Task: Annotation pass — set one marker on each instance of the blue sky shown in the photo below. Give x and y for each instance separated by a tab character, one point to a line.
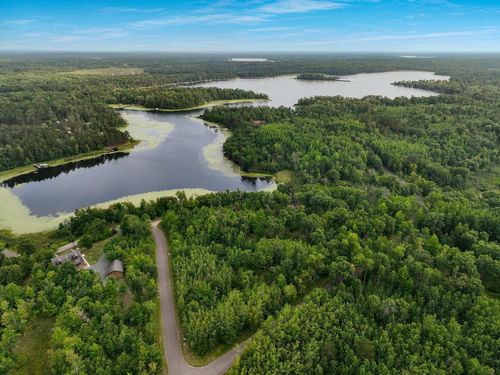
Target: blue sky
253	25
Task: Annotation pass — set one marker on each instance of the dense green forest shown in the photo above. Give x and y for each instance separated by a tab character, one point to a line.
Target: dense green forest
317	77
179	98
51	115
381	255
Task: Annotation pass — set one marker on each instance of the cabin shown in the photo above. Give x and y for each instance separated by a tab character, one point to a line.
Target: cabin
115	269
75	257
41	165
10	254
112	148
259	122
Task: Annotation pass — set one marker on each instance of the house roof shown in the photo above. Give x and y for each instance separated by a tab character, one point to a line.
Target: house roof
75	257
115	266
10	254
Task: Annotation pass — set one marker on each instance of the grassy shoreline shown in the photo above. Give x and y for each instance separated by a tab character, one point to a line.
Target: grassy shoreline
235	168
16	218
136	107
279	177
11	173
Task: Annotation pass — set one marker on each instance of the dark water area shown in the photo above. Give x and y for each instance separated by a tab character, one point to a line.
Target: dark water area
53	172
178	162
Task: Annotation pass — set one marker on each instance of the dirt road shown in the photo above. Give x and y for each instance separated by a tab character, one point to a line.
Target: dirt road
171	335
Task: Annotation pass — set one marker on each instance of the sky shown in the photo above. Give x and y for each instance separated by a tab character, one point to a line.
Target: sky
252	25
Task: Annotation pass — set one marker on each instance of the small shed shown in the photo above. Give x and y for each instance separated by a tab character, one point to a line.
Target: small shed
115	269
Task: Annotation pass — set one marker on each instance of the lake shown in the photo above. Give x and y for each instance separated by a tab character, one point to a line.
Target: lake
286	90
177	151
177	162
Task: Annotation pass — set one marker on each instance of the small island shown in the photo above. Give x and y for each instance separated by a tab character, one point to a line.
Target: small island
319	77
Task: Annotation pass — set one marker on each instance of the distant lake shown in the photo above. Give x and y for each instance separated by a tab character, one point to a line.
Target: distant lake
286	90
177	151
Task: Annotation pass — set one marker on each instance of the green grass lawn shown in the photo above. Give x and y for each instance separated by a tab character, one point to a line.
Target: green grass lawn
282	177
31	349
94	253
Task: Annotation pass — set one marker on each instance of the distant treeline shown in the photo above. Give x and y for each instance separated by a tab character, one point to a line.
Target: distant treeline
317	77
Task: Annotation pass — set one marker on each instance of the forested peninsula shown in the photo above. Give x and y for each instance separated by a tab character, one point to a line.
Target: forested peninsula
317	77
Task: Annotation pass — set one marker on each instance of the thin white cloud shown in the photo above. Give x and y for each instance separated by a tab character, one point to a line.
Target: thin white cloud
202	19
132	10
18	22
410	36
258	13
90	34
270	29
399	37
298	6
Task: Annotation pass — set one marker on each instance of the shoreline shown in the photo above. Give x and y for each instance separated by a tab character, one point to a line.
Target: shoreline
18	219
136	107
226	166
125	147
26	169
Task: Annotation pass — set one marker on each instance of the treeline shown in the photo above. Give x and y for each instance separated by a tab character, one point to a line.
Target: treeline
317	77
50	120
38	92
198	67
443	87
179	98
32	136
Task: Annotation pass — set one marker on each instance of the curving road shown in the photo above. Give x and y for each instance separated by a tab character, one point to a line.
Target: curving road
171	336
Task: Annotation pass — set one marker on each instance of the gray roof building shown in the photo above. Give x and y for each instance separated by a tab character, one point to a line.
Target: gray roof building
116	266
74	257
10	254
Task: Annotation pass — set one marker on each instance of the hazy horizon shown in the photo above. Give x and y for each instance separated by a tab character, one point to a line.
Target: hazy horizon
255	26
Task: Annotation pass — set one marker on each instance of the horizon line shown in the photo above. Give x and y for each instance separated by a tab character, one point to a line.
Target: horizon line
369	52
